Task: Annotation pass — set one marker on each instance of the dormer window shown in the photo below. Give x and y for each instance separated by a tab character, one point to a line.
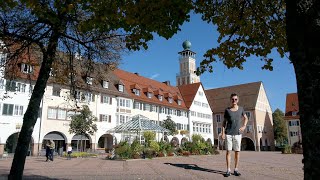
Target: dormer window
294	113
160	97
105	84
149	94
25	68
170	100
179	102
89	80
120	87
137	92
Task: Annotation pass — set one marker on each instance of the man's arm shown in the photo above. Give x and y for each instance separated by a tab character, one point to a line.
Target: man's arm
245	119
224	123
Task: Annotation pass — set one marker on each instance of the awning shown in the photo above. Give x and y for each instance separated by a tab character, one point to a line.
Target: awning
53	136
79	137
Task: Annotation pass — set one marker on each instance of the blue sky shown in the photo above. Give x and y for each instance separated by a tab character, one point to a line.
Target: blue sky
160	62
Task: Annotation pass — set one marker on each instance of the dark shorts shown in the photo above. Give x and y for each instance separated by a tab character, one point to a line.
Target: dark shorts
69	152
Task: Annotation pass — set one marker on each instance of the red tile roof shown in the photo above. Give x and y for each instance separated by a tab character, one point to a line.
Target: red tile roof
157	87
292	104
188	92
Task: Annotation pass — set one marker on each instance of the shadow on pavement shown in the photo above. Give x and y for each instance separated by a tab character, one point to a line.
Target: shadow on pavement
31	177
196	167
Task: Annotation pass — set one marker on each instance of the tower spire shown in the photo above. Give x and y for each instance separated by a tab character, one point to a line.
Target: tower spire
187	64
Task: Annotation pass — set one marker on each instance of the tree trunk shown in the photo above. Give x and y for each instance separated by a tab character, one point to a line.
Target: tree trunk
303	36
31	114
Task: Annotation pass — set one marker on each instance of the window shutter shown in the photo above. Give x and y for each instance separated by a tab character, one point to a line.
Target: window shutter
101	98
110	100
93	97
10	109
109	118
100	117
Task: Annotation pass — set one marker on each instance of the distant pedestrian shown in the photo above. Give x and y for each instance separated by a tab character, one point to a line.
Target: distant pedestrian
47	151
69	151
234	123
52	147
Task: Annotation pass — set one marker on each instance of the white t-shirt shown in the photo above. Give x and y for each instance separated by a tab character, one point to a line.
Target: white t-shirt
69	148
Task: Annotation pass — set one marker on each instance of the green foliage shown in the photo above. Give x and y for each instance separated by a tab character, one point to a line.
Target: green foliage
170	125
155	146
164	146
83	123
80	154
286	149
136	147
149	136
197	138
123	150
279	127
245	28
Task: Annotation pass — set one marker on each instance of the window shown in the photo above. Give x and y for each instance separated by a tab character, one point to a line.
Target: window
105	84
136	92
294	113
1	83
56	91
106	99
77	95
205	105
11	86
120	87
200	93
248	115
62	114
89	97
7	109
25	68
170	100
52	113
149	94
18	110
197	103
249	128
89	80
179	102
218	118
136	105
160	97
20	87
105	117
146	107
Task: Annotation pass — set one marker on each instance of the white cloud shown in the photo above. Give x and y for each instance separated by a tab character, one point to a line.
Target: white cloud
154	76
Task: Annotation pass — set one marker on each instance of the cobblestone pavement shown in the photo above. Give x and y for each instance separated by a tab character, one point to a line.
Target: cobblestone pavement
253	165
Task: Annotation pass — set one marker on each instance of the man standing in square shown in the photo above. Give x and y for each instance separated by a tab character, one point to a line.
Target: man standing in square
234	123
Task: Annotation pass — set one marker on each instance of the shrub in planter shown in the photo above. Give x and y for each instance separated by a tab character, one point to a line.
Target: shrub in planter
155	146
123	151
136	149
161	154
186	153
286	149
170	154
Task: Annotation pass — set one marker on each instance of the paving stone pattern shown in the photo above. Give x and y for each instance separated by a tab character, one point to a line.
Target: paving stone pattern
253	165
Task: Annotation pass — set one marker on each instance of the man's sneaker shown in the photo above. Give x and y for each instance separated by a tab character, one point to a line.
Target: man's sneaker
227	174
236	173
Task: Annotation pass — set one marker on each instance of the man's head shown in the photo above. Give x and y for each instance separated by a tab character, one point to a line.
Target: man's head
234	99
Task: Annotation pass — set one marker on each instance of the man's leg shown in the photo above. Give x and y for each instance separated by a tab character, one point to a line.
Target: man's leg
236	159
228	153
237	148
228	159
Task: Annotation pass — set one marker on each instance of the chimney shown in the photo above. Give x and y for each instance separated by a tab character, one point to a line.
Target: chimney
167	83
136	73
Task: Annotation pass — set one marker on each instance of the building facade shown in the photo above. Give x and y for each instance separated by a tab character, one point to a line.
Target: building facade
113	96
258	135
292	119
